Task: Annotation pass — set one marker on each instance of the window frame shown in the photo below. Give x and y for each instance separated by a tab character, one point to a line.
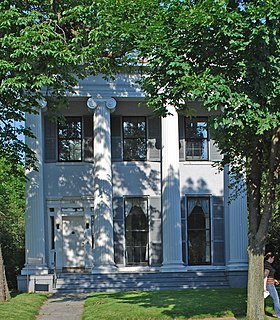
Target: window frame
145	138
68	139
209	229
144	200
203	140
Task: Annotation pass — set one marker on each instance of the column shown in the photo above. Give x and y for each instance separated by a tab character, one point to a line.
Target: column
171	209
35	251
103	250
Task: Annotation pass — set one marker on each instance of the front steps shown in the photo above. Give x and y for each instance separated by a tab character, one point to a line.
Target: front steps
86	282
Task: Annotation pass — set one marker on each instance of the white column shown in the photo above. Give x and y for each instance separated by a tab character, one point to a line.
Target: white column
35	250
171	211
103	251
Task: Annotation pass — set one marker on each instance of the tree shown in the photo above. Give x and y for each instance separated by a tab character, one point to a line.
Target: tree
227	55
46	46
34	54
4	291
12	203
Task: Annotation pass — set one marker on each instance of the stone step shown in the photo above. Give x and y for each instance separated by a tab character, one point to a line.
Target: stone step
140	281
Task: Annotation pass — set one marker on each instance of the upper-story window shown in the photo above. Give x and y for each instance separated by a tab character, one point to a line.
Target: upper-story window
70	139
134	138
196	139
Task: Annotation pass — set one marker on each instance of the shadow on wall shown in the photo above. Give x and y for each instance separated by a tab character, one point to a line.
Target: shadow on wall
198	187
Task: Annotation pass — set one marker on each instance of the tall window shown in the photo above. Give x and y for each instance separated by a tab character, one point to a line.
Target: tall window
196	139
199	238
136	231
70	139
134	138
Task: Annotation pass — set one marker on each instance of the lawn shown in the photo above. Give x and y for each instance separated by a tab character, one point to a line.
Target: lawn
144	305
24	306
176	304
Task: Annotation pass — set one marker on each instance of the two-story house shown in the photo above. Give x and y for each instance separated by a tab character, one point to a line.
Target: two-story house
121	190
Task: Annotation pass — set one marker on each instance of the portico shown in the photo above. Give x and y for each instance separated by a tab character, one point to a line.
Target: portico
119	189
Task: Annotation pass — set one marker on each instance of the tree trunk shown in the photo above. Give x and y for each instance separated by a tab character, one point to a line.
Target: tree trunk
4	290
260	214
255	300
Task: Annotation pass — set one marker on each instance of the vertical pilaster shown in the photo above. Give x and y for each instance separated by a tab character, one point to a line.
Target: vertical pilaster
103	251
35	254
171	211
237	229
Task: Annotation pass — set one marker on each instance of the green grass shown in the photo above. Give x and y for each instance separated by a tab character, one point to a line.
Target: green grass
24	306
144	305
176	304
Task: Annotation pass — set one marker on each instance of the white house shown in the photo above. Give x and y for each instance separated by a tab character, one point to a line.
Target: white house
121	190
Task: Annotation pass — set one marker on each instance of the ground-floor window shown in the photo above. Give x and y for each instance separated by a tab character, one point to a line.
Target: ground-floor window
136	230
198	230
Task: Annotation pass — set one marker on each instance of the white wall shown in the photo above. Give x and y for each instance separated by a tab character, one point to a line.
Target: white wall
201	178
68	179
136	178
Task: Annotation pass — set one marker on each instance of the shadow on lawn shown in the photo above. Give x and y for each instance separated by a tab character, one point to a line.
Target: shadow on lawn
186	303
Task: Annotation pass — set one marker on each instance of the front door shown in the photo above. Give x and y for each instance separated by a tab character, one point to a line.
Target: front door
73	242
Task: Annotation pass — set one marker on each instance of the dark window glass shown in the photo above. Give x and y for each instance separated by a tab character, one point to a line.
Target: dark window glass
52	232
70	139
136	231
196	139
134	138
199	239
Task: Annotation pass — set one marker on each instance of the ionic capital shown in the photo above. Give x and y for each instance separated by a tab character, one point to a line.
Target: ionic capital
93	103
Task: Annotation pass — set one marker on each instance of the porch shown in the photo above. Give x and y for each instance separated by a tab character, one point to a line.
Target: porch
144	280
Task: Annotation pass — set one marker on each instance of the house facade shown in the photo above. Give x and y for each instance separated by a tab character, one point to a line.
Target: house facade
119	189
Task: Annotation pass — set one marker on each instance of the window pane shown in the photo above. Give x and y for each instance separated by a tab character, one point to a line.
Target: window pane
134	127
134	138
136	231
196	139
71	128
197	247
135	149
199	237
70	150
196	128
197	149
70	139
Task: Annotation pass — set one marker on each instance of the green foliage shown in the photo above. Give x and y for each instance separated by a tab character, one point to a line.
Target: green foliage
225	54
46	46
12	205
33	55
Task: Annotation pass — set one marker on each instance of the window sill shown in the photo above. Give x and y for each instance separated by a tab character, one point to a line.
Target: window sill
197	162
82	163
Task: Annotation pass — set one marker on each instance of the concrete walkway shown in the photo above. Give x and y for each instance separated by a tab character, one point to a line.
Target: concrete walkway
63	307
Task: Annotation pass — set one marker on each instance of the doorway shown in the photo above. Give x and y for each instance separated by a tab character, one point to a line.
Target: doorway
73	242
